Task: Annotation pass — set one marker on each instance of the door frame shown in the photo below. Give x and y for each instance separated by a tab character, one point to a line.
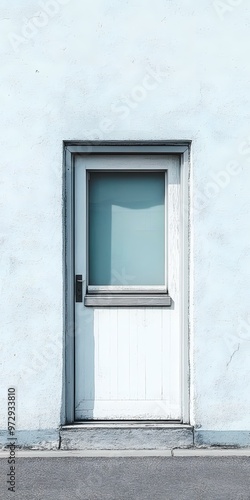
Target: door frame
70	149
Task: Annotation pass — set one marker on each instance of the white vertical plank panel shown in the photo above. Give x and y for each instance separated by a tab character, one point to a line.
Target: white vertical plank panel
113	349
123	350
153	336
141	356
134	348
102	369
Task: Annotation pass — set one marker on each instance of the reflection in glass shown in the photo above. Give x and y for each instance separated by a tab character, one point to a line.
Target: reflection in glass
127	228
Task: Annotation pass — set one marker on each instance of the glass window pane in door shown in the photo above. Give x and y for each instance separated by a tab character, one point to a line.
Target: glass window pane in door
127	228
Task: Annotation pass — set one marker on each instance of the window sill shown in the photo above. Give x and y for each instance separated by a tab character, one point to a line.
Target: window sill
125	300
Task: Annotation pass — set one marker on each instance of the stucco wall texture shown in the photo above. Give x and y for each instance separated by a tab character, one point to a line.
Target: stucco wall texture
132	70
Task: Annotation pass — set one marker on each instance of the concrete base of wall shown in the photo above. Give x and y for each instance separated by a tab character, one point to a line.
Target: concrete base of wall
46	439
126	437
208	438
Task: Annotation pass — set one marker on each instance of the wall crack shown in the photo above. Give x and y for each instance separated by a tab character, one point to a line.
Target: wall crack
232	355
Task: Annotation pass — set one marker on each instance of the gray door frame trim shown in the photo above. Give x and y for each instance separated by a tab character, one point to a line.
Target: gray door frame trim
70	149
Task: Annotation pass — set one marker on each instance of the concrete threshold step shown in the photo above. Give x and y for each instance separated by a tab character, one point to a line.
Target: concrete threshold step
126	436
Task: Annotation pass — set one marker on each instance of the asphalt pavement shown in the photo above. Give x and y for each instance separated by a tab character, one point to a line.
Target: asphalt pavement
128	478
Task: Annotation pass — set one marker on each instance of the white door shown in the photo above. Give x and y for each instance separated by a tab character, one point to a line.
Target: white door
127	254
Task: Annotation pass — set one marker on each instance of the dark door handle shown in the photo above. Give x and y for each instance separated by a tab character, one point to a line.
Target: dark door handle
78	287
